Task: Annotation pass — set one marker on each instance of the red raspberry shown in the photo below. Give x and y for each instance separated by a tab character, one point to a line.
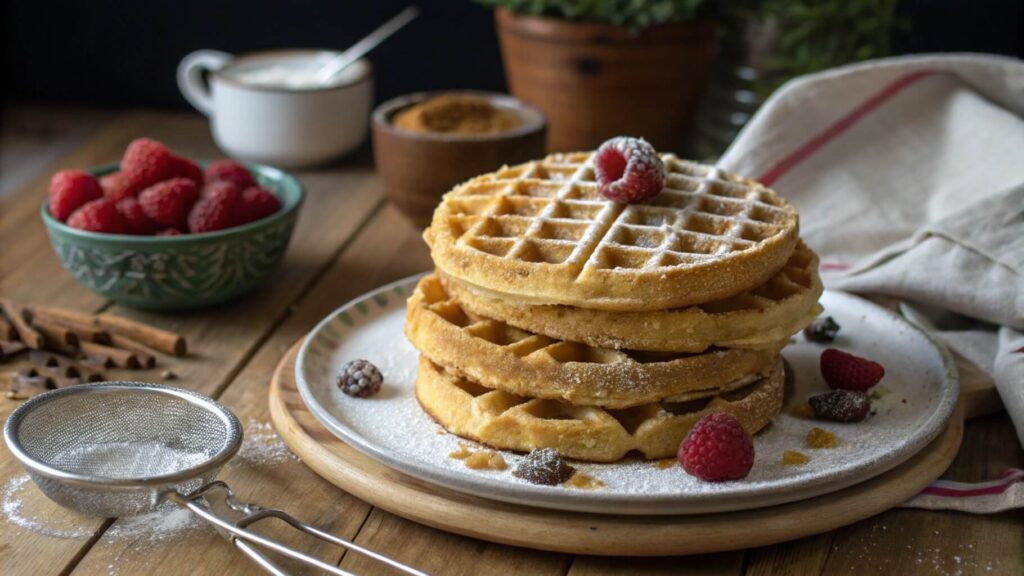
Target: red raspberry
185	168
210	187
717	448
169	232
844	371
70	189
115	186
629	170
229	171
258	203
145	163
217	210
841	405
135	219
167	203
98	215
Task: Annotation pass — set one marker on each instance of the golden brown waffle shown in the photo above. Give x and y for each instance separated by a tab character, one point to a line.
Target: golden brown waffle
513	422
543	232
760	318
506	358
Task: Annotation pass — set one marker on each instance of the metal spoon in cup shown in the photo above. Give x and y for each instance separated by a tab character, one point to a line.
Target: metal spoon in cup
334	66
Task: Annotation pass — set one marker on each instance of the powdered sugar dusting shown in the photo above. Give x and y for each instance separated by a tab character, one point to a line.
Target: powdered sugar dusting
393	425
261	447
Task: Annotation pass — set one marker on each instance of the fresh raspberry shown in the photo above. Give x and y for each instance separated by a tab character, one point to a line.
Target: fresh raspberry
258	203
115	186
217	210
168	203
822	330
841	405
629	170
717	448
145	163
185	168
169	232
210	187
229	171
845	371
135	219
98	215
70	189
360	378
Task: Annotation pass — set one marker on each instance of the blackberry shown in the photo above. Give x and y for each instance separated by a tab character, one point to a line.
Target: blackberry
822	330
841	405
544	466
360	378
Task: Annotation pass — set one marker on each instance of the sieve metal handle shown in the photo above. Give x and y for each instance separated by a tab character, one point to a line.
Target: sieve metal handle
245	540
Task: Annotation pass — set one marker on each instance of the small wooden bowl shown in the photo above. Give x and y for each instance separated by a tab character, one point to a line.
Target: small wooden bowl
419	167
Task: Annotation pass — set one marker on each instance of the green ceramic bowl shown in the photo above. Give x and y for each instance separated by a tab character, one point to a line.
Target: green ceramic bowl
181	272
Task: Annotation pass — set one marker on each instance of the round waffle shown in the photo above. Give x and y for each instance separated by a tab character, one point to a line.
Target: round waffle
513	422
759	318
543	232
506	358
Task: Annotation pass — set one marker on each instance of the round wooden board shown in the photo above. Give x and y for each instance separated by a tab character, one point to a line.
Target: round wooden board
581	533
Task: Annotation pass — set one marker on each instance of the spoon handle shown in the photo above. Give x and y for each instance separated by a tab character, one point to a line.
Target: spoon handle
359	49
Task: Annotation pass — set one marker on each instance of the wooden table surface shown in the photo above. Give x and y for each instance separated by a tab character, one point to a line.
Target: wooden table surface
349	240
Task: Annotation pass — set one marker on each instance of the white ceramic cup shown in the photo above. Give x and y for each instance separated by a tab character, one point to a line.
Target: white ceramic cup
278	123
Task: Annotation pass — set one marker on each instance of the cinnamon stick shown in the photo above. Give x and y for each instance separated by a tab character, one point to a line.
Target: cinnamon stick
117	356
7	331
155	338
55	332
16	316
21	386
10	348
83	330
145	355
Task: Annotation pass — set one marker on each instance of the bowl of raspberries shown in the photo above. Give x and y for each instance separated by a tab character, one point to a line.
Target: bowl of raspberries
162	232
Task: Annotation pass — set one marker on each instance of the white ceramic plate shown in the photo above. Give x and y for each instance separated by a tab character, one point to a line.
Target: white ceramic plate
918	395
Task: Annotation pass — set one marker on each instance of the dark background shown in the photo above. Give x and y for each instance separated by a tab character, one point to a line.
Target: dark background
124	53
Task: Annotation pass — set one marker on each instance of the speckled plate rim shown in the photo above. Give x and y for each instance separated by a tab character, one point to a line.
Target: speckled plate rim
628	504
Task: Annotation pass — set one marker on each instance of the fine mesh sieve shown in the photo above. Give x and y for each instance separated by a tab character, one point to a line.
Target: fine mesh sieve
123	448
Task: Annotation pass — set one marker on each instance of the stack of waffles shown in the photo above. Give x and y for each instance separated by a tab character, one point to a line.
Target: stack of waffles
557	318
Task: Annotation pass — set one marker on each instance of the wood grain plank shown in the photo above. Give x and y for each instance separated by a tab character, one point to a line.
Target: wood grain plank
443	553
721	564
904	541
339	200
388	248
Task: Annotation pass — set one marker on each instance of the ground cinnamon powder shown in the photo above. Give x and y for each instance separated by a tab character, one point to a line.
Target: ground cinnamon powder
457	114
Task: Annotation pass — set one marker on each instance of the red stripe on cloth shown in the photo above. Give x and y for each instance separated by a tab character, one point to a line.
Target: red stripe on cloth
840	126
962	493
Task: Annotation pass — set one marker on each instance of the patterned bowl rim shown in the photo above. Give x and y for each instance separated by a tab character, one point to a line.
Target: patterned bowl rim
291	204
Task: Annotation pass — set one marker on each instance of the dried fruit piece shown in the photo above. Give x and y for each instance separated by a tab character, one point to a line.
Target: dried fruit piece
845	371
543	466
360	378
792	458
717	448
485	460
584	482
629	170
818	438
841	405
822	330
70	190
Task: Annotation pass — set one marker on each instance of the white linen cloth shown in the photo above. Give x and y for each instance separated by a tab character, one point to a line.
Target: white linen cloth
909	176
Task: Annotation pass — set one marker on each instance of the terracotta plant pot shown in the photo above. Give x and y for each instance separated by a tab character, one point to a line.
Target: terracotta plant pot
595	81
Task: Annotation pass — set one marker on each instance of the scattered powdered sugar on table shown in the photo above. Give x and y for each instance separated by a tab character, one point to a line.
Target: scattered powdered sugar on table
393	422
261	447
20	513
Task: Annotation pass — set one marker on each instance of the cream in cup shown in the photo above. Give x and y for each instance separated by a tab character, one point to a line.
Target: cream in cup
271	107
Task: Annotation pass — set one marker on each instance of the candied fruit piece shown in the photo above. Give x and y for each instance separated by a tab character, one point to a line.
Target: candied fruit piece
584	482
792	458
485	460
818	438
